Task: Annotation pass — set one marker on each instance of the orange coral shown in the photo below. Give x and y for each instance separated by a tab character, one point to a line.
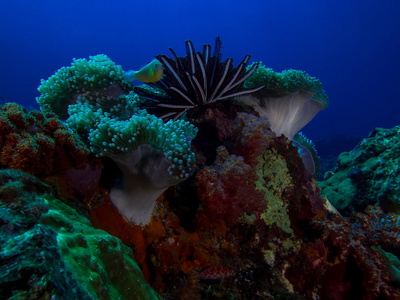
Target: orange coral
36	143
162	248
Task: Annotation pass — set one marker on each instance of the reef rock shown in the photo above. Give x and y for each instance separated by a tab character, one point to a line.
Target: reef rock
251	224
50	251
367	175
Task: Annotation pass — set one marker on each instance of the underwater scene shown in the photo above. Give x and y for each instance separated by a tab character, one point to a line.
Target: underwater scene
199	150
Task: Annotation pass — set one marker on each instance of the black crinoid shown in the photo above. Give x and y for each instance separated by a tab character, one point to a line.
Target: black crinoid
196	80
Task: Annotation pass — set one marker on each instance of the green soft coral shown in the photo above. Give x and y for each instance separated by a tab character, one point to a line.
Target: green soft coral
84	116
284	83
113	137
99	73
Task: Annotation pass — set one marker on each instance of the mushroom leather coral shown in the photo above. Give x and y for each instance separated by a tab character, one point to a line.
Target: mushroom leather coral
151	154
287	114
308	153
290	99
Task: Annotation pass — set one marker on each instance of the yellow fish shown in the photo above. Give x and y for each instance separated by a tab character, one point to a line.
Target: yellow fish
151	72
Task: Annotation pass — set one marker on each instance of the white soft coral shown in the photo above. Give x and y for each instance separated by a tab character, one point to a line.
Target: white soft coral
146	177
287	114
290	99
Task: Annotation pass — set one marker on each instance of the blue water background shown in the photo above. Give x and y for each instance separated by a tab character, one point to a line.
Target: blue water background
353	47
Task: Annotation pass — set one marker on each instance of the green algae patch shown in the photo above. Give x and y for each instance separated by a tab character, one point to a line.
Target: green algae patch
273	179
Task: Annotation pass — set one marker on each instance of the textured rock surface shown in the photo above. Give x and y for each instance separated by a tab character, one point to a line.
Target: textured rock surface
252	225
48	250
367	175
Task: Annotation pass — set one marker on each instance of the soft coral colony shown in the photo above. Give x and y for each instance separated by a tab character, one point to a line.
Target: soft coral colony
201	178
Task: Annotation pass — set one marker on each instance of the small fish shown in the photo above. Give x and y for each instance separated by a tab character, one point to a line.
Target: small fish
151	72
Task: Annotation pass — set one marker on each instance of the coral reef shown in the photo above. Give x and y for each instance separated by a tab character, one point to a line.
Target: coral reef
49	251
38	143
367	175
222	204
163	249
293	236
352	256
260	230
223	207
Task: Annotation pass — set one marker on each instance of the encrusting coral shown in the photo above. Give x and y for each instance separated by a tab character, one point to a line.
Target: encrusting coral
222	204
367	175
290	99
38	143
50	251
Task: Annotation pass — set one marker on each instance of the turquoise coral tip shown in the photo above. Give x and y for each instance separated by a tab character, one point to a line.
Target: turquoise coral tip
284	83
90	78
114	137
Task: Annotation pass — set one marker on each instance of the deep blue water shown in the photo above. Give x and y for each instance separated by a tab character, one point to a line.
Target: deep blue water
353	47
